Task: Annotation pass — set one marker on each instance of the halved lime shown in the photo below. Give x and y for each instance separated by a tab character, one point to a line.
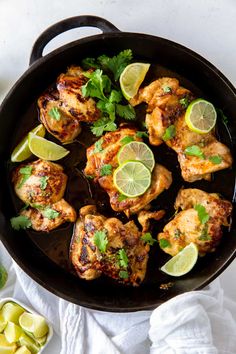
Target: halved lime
183	262
12	332
25	340
200	116
11	312
136	150
5	346
23	350
45	149
42	340
132	77
34	323
3	323
132	178
22	151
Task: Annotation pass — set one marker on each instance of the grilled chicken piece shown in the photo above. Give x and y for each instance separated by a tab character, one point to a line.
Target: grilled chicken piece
145	216
164	97
110	145
186	227
70	105
59	213
41	185
90	262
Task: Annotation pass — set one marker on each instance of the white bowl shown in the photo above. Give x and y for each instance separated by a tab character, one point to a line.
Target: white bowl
29	309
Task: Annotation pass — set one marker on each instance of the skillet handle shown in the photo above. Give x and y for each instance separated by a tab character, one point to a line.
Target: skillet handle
65	25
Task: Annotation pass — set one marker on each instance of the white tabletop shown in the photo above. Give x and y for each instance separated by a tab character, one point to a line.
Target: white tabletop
206	26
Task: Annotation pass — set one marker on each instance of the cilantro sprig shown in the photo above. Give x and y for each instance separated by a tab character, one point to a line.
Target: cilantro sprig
100	240
25	173
20	222
170	133
147	237
202	213
123	258
106	170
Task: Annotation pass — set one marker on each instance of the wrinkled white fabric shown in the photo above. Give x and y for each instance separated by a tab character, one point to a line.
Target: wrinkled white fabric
192	323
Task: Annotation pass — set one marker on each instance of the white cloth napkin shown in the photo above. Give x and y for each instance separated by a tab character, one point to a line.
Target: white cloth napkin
192	323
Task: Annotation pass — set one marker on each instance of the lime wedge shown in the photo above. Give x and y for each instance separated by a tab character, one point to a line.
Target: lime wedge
200	116
12	332
42	340
132	77
5	346
45	149
22	151
25	340
136	150
132	178
183	262
11	312
3	323
34	323
23	350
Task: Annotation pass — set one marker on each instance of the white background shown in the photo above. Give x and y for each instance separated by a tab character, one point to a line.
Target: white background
206	26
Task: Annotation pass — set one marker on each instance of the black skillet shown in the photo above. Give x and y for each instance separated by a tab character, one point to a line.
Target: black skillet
44	257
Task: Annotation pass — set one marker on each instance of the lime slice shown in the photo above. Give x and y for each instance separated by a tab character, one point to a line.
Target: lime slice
25	340
5	346
11	312
45	149
200	116
3	323
136	150
132	77
22	151
132	178
34	323
12	332
42	340
183	262
23	350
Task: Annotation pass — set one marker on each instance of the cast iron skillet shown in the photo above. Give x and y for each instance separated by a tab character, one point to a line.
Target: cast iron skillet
45	257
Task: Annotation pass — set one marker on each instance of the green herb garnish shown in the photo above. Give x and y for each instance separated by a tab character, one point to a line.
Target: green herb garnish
20	222
26	173
103	124
122	197
177	234
167	89
106	170
100	240
123	259
126	111
216	160
123	274
44	182
194	150
55	113
164	243
184	102
204	234
126	140
50	213
147	237
142	135
202	213
169	133
98	146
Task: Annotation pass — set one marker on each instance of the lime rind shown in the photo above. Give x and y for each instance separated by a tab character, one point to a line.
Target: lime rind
201	116
132	77
137	150
34	324
46	149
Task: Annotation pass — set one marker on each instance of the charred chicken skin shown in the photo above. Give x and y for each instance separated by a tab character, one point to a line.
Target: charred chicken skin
107	156
204	229
166	101
124	257
62	110
41	185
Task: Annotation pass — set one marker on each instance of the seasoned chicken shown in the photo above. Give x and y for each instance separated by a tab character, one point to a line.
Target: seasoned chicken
51	217
41	185
124	256
200	222
62	110
107	155
144	217
167	103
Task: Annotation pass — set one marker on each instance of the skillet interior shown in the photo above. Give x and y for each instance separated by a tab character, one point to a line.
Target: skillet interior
45	256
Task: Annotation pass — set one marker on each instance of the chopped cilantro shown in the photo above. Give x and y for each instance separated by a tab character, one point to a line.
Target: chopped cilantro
20	222
123	259
26	173
164	243
122	197
142	135
50	213
126	112
44	182
204	234
216	160
106	170
123	274
169	133
55	113
100	240
98	146
167	89
184	102
103	124
147	237
126	140
194	150
202	213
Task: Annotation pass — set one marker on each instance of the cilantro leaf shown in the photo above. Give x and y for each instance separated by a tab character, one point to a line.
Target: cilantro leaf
115	96
123	274
98	146
202	213
147	237
169	133
26	173
142	135
216	160
126	140
55	113
167	89
96	85
3	276
50	213
184	102
123	258
103	124
20	222
117	63
122	197
126	112
44	182
106	170
204	234
89	63
194	150
164	243
100	240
